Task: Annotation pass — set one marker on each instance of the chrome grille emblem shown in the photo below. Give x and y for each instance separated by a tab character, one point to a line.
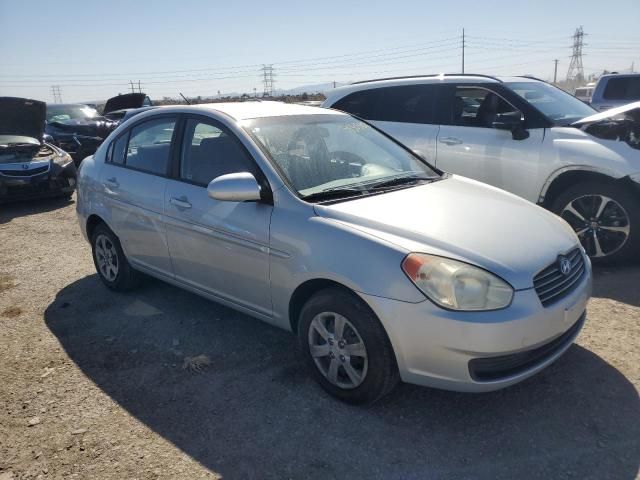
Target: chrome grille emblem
565	266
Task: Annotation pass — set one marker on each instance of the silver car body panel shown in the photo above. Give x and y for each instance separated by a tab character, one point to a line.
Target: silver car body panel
253	256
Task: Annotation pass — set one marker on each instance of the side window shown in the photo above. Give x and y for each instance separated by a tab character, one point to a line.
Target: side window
406	104
476	107
150	146
360	104
208	152
119	149
622	88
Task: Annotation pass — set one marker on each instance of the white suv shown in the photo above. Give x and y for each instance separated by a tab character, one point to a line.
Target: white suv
522	135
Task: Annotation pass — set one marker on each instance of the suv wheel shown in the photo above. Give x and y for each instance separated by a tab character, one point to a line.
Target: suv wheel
111	264
346	347
605	217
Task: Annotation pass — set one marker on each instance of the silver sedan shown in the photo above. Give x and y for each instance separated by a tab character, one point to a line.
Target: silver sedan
386	268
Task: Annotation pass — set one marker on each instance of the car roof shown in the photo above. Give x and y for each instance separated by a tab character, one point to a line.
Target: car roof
424	79
254	109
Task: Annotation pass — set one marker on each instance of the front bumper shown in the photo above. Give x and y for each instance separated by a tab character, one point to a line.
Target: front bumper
437	348
54	181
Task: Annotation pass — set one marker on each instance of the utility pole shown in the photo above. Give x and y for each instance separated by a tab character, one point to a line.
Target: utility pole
267	80
463	45
576	72
555	71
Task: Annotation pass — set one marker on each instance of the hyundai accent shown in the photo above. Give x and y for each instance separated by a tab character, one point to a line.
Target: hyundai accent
385	267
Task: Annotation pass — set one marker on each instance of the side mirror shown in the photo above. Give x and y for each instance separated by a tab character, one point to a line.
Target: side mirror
235	187
511	121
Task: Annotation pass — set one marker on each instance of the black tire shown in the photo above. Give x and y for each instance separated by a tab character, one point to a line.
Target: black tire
583	194
126	278
382	371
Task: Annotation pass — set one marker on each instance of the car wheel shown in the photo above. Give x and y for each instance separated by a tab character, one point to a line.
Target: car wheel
605	217
346	347
110	261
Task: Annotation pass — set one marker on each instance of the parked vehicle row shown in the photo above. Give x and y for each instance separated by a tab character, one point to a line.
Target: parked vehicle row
524	136
310	219
79	129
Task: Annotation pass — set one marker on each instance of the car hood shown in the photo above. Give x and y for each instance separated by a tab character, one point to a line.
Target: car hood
621	123
465	220
94	127
121	102
630	111
22	117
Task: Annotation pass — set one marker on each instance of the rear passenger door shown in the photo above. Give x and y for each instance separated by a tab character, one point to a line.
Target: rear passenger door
134	179
218	247
405	112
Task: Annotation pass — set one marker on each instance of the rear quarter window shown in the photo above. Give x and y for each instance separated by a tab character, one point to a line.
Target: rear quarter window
623	88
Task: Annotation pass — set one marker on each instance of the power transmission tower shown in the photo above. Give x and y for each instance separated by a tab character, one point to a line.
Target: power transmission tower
576	72
57	96
267	80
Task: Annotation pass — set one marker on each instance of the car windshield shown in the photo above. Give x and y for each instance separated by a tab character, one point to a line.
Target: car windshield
325	156
64	113
558	106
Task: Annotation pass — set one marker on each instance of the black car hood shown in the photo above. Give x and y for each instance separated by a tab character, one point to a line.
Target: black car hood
22	116
128	100
621	123
93	127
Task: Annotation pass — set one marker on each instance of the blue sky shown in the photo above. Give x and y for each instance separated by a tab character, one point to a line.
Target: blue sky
93	48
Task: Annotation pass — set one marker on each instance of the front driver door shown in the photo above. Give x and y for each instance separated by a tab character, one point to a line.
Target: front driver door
468	144
218	247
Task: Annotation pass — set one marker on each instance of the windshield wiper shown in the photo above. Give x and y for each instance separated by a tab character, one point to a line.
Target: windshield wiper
399	180
334	193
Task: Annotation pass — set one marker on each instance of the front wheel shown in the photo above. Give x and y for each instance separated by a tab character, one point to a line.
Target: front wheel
606	218
346	347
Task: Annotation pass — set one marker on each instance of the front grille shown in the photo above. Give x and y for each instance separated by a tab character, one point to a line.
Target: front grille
552	284
25	173
496	368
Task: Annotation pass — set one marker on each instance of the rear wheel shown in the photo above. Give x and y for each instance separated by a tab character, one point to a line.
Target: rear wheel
606	218
110	261
346	347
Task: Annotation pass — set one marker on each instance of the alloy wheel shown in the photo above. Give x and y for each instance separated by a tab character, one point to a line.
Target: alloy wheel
338	350
601	223
106	257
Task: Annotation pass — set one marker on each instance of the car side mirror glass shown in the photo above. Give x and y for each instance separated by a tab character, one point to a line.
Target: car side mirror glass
235	187
512	121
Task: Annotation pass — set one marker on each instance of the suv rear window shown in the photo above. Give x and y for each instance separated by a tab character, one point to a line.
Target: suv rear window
622	88
405	104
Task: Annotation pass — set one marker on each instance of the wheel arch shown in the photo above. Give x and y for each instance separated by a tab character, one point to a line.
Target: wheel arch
304	292
92	222
565	178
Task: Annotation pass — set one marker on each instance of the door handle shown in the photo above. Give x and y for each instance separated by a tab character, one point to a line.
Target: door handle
112	182
451	140
180	202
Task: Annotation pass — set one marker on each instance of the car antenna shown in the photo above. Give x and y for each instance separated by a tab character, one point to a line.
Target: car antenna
185	99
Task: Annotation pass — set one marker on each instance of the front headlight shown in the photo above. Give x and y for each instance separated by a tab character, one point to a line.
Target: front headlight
456	285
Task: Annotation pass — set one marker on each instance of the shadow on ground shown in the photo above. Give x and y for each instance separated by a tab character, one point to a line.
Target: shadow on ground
620	283
256	414
9	211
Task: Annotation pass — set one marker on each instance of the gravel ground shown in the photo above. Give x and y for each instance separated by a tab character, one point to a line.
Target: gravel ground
92	385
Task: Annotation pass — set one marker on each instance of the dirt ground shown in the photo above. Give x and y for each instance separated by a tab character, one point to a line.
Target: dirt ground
92	386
